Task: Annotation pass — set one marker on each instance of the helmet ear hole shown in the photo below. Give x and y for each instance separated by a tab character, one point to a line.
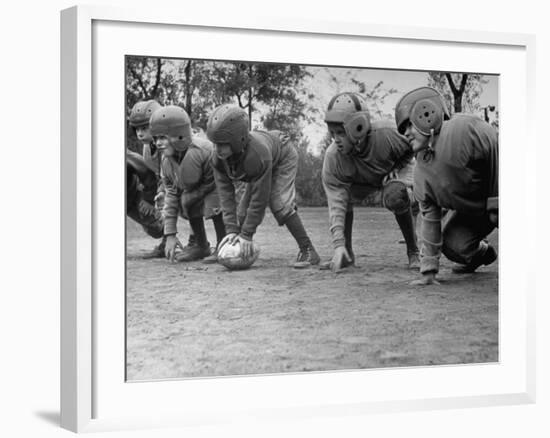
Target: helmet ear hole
427	102
357	126
426	115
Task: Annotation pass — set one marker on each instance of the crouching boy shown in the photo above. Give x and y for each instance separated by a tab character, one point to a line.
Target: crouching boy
190	188
267	162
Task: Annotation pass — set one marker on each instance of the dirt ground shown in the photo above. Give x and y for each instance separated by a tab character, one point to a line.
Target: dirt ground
196	320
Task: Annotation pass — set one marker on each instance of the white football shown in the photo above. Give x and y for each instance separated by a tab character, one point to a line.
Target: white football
229	255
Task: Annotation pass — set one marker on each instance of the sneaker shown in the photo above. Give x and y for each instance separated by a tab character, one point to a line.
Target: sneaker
193	253
307	257
191	241
212	258
414	261
485	259
156	253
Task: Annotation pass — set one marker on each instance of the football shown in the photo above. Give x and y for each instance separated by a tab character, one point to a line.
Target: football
229	255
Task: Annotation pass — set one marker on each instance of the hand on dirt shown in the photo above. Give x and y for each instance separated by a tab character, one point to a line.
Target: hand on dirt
172	244
340	259
425	280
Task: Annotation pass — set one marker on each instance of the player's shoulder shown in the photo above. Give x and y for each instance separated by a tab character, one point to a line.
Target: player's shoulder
384	128
464	123
384	132
202	144
260	144
279	137
260	138
200	149
383	125
258	156
464	120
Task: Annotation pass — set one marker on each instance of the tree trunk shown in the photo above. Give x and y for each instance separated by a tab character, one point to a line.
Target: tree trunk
457	92
154	92
458	103
250	93
188	90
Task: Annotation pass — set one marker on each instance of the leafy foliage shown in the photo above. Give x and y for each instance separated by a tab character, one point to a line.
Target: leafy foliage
309	189
460	90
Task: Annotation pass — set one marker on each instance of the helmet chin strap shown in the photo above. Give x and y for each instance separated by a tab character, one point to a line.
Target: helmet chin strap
431	141
429	152
358	144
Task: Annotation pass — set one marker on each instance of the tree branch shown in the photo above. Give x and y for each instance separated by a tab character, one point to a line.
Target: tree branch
157	81
451	83
463	82
188	92
140	82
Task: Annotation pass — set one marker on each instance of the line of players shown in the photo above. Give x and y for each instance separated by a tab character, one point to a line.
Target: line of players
445	167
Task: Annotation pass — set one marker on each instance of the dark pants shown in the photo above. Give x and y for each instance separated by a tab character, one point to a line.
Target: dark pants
141	209
462	235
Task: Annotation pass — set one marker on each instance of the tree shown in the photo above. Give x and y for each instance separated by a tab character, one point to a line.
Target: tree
349	80
309	188
143	78
460	90
275	89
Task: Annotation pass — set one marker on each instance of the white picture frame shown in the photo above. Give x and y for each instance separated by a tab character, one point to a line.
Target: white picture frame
94	397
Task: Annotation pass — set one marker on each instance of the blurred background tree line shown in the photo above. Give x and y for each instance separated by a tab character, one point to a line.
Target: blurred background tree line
275	96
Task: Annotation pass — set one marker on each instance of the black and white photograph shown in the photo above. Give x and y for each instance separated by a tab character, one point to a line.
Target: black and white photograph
287	218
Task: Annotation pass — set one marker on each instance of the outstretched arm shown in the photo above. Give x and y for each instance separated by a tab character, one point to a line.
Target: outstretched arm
260	190
337	191
430	252
226	193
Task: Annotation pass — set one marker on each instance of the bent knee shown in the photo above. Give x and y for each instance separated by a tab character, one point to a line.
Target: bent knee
459	251
156	231
282	214
395	197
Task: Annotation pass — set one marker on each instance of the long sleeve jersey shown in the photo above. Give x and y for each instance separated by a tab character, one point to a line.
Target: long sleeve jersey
255	166
461	174
191	174
152	158
384	150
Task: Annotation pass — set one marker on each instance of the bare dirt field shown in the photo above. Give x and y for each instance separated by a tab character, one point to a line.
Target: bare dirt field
197	320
